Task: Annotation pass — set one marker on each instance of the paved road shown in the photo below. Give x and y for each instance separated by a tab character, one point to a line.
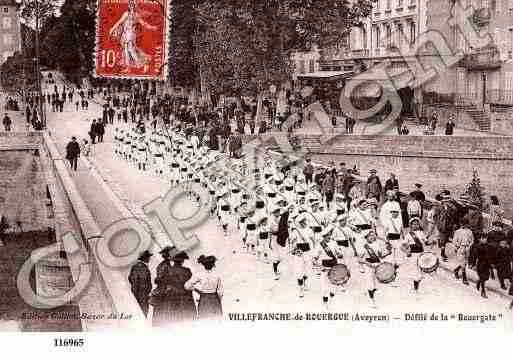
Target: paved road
249	284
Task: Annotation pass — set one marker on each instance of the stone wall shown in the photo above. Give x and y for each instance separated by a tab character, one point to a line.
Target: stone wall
22	186
435	161
436	173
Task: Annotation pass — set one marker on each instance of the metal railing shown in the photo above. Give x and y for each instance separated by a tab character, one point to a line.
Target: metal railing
499	97
431	98
361	53
484	59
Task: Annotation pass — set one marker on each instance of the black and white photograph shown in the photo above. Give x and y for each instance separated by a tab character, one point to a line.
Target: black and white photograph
171	164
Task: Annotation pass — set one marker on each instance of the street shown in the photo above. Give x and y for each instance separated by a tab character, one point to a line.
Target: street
250	285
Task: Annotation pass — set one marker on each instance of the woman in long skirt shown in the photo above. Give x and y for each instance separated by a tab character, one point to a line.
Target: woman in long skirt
210	288
171	301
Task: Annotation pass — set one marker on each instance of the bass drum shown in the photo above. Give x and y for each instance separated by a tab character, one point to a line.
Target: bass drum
386	273
428	262
339	274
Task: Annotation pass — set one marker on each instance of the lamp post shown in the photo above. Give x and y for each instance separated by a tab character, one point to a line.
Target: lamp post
42	111
42	107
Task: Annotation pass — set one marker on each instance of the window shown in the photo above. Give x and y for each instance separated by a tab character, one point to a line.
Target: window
6	10
413	33
399	3
389	4
6	23
364	38
301	66
389	36
400	35
312	66
378	37
7	38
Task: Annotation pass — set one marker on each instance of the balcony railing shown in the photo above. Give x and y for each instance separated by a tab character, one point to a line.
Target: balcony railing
361	53
486	59
437	98
482	16
500	97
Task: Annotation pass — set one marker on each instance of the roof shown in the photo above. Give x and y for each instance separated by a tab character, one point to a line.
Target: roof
325	74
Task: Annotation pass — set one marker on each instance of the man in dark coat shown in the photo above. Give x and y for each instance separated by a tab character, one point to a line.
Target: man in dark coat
481	258
417	193
503	262
140	281
392	184
475	220
73	152
7	122
100	130
93	132
374	187
172	302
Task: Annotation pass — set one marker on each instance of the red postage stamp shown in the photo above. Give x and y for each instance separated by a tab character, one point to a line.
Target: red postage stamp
132	39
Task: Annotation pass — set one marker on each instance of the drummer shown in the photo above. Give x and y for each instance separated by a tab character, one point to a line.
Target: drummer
393	231
223	211
344	236
327	254
339	208
263	239
250	232
371	253
415	241
302	237
359	217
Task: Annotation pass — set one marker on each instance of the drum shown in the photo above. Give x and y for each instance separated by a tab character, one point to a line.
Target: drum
428	262
385	273
450	250
339	274
303	247
317	229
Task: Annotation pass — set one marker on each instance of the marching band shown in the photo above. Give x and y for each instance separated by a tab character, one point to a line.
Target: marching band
284	218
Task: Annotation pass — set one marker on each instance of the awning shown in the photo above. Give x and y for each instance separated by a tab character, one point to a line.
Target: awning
326	75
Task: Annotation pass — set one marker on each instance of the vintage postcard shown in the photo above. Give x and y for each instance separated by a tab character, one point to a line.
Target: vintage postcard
332	166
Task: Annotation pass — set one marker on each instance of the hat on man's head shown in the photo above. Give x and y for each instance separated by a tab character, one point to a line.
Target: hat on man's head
373	171
418	185
173	253
145	255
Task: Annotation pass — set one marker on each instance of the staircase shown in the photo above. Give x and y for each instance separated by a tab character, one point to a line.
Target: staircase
478	115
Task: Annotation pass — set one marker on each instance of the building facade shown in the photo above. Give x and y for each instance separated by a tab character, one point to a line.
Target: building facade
9	29
305	62
396	33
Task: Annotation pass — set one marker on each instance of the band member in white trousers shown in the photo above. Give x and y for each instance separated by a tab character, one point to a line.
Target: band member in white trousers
371	252
302	243
414	242
327	254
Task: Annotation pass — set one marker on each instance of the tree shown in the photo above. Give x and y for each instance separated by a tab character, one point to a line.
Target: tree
255	38
475	190
183	70
12	74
